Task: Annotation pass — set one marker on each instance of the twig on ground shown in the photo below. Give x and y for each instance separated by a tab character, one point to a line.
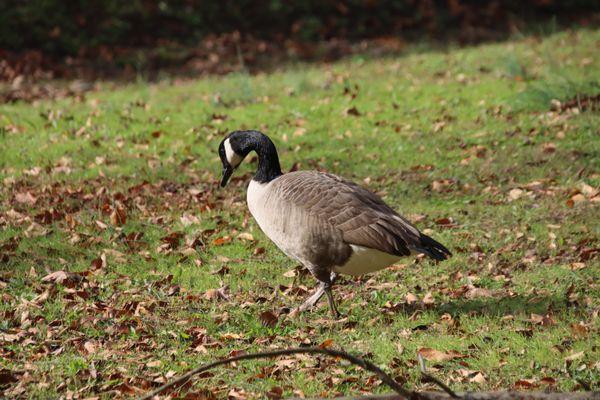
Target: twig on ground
369	366
432	379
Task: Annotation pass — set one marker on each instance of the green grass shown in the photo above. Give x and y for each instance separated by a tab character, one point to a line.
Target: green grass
441	134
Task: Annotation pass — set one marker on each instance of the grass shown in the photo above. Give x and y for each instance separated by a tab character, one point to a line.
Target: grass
461	141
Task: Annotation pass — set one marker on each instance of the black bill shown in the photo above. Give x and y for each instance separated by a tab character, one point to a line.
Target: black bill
227	171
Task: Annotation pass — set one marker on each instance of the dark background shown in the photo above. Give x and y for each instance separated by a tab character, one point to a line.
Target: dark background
47	39
68	27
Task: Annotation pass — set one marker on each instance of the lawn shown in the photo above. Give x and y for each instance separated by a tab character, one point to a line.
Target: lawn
123	265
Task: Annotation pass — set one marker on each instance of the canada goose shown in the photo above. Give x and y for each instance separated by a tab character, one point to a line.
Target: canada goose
329	224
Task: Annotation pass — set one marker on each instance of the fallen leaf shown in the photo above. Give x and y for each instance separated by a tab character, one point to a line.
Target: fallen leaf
549	147
410	298
268	318
154	364
275	393
428	299
353	111
579	330
118	217
478	378
60	277
436	355
25	198
246	236
7	377
221	240
525	384
548	381
515	194
575	356
89	347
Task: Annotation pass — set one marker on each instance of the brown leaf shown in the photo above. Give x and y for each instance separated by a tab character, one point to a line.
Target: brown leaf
275	393
237	394
515	194
99	262
525	384
436	355
578	198
410	298
428	299
61	276
326	343
25	198
172	239
445	221
549	148
544	320
575	356
474	292
579	330
89	347
118	217
478	378
548	381
221	240
246	236
215	294
353	111
7	377
268	318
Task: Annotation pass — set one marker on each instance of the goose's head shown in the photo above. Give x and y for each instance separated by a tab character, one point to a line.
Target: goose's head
236	146
232	150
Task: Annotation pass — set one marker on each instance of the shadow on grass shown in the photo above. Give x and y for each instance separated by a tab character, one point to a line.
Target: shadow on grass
520	305
508	305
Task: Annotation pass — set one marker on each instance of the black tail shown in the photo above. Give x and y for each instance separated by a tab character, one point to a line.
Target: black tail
433	249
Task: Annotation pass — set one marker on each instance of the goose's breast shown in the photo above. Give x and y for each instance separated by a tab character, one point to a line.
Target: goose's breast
273	217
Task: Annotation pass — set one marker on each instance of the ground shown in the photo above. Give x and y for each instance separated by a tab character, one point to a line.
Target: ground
123	265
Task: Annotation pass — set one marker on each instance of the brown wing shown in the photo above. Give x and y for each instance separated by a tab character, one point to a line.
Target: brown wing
361	216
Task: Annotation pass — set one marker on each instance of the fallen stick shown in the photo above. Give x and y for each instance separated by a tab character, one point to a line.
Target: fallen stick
502	395
369	366
401	393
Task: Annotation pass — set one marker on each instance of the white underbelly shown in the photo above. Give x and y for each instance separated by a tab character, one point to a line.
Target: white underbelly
365	260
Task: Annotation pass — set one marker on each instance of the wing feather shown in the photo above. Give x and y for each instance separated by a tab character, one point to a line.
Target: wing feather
360	215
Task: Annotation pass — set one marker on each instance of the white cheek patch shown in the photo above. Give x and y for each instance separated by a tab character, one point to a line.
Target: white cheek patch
233	158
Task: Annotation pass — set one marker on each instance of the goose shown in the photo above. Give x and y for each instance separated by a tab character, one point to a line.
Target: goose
327	223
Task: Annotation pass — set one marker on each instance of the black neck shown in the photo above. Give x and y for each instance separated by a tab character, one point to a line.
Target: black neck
268	160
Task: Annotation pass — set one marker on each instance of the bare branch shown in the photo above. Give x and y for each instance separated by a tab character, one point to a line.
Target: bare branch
369	366
433	379
503	395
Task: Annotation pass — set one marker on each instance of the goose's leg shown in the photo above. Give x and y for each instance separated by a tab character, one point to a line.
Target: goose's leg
332	305
316	296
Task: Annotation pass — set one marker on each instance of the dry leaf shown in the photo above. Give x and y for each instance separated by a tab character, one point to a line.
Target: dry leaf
478	378
575	356
268	318
246	236
89	347
514	194
25	198
436	355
